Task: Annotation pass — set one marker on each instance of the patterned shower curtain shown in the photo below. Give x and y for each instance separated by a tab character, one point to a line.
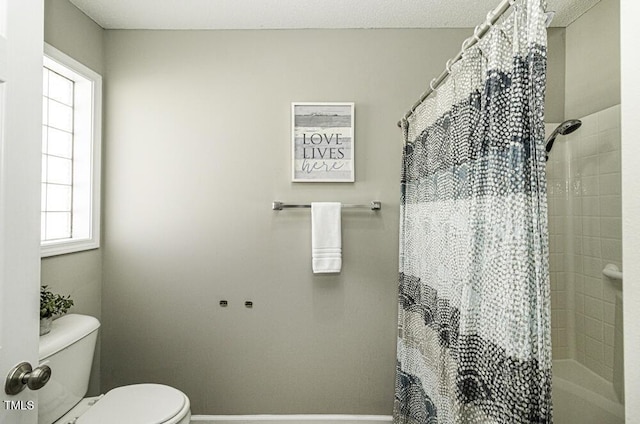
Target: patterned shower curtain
474	323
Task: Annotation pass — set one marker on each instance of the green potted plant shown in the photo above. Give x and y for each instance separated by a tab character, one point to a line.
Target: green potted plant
51	304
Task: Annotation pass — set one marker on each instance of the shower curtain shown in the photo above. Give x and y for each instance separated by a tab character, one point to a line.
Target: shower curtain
474	322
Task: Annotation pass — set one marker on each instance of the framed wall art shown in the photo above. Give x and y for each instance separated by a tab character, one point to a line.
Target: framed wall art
322	142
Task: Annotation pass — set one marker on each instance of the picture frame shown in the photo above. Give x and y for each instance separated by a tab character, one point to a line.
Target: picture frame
322	142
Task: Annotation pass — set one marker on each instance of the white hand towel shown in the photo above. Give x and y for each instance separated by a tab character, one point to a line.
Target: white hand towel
326	237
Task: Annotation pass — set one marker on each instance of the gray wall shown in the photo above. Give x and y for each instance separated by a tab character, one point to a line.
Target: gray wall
71	31
554	104
593	60
80	274
197	148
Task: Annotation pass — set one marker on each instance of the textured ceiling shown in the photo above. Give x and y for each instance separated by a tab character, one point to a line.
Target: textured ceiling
290	14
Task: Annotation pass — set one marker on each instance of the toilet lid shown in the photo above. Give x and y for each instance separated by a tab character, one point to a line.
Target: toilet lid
136	404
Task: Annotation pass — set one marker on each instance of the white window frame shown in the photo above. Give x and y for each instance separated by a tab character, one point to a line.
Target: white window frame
89	206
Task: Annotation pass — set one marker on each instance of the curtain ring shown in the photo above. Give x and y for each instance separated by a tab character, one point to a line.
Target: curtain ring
490	16
465	44
431	85
475	34
448	65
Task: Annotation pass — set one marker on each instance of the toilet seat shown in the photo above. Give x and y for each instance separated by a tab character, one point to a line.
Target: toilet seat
138	404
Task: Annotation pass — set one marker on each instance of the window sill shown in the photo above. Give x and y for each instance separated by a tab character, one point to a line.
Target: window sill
67	246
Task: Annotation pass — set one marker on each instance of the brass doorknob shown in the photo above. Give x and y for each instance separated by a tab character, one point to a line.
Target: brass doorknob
23	375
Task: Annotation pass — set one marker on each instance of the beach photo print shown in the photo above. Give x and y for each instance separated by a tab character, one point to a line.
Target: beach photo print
322	142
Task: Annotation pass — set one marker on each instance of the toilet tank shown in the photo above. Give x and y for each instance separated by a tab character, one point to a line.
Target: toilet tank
68	351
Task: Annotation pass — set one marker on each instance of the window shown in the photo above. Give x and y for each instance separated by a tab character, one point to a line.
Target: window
71	136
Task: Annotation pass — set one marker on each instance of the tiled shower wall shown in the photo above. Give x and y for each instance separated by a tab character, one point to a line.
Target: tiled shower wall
585	235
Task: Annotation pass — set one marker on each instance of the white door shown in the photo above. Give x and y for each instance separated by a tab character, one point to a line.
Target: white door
21	41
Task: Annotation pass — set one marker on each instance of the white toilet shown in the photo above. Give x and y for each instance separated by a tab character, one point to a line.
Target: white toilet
68	351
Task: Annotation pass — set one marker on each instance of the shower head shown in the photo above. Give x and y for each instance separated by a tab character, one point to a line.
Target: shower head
567	127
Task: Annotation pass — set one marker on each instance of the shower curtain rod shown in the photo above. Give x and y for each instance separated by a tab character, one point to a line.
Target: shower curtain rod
478	32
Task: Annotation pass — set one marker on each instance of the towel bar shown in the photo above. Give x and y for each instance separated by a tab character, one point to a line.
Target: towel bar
278	206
